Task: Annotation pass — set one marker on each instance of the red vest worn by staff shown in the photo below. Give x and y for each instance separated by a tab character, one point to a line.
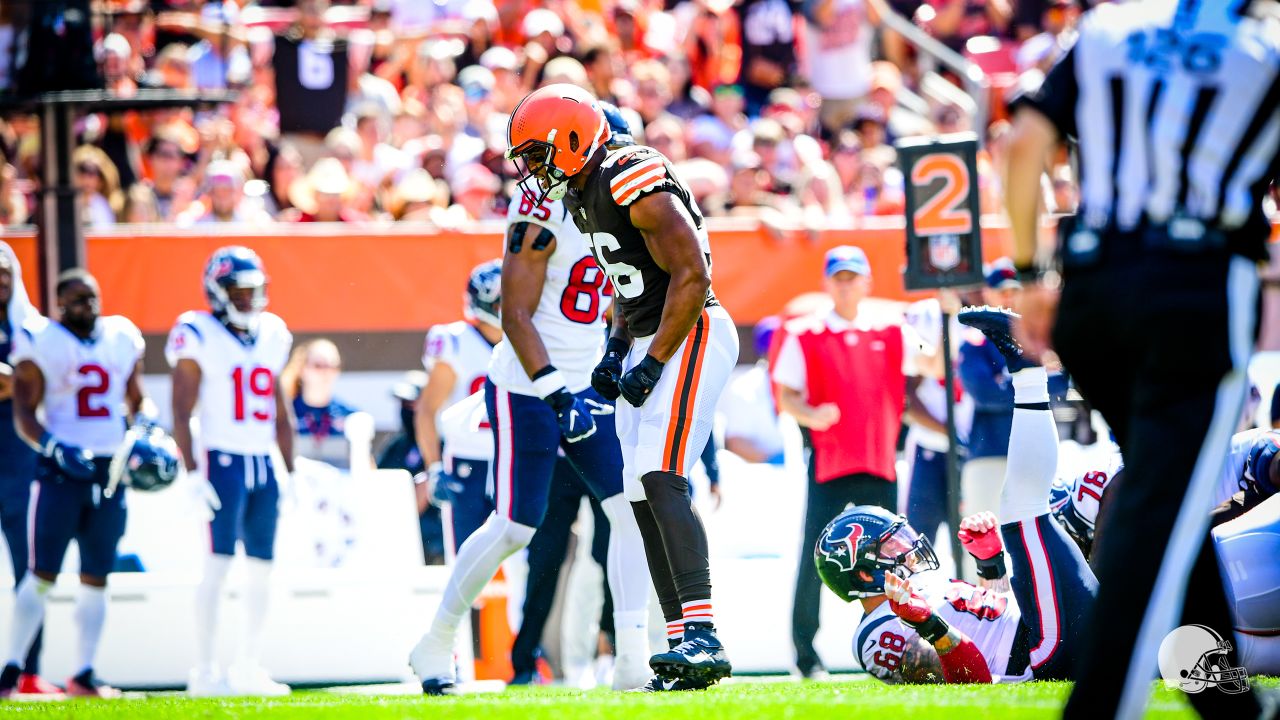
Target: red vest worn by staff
860	370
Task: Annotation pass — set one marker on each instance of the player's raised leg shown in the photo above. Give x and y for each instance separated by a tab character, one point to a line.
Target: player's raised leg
1050	577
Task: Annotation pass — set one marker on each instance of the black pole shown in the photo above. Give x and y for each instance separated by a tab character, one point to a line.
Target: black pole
953	447
61	235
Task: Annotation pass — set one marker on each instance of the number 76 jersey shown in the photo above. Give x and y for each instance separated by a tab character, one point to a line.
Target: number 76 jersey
570	314
237	405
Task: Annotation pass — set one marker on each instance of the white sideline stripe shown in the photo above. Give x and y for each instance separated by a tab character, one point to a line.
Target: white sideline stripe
1043	582
1165	604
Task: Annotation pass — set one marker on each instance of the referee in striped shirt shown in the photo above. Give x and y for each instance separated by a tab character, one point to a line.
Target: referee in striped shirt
1174	108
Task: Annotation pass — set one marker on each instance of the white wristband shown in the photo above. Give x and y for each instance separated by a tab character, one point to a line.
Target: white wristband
548	384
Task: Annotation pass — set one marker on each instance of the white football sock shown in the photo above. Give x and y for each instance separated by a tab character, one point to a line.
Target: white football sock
257	602
28	614
208	602
478	559
629	581
1033	450
91	614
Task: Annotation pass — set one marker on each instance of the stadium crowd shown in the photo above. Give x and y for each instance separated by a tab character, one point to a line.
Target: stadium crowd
390	110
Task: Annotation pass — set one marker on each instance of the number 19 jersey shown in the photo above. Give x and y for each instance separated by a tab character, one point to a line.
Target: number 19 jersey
570	314
237	402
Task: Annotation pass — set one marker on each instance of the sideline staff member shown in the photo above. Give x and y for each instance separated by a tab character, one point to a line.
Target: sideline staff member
1175	107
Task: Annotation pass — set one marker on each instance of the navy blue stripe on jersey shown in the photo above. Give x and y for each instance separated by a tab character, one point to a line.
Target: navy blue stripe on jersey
194	330
866	633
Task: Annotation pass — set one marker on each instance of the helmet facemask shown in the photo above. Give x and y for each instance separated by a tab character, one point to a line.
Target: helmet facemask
247	318
536	162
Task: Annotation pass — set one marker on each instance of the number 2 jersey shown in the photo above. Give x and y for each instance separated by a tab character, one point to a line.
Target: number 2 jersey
602	209
237	401
990	619
84	380
570	314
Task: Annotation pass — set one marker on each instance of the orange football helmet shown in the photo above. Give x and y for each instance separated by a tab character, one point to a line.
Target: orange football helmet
554	131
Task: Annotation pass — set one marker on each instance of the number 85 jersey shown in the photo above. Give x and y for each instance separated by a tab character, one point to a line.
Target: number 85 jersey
237	405
570	314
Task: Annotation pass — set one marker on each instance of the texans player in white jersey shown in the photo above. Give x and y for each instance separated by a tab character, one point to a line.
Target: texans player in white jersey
1246	533
541	403
77	381
226	364
456	358
920	626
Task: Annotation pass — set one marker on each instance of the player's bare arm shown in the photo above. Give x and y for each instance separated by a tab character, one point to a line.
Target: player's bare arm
671	237
186	389
135	397
284	427
439	385
618	329
28	393
794	403
524	271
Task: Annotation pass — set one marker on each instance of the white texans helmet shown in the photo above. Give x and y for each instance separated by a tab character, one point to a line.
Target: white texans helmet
1194	657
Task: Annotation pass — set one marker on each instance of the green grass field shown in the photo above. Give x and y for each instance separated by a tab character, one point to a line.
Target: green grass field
737	701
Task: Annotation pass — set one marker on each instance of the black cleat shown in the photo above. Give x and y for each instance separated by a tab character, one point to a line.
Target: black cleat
996	324
9	680
699	658
657	683
437	686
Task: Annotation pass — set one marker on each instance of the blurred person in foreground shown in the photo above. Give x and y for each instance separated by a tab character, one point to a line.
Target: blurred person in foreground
842	375
18	468
309	380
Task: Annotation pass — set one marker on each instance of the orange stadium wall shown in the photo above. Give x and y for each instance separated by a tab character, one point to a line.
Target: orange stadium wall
334	280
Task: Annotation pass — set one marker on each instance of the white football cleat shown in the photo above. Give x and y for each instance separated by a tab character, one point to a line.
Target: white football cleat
252	679
207	683
630	672
433	664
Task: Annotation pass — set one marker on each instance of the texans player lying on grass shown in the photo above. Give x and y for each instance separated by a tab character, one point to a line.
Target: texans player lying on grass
920	626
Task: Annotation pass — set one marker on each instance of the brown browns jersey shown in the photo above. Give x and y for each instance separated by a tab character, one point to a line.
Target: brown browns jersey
602	211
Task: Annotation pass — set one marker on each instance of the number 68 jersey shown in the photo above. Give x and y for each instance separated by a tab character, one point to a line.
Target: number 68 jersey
990	619
570	314
237	405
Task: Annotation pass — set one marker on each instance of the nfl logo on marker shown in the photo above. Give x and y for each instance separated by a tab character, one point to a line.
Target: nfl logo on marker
944	251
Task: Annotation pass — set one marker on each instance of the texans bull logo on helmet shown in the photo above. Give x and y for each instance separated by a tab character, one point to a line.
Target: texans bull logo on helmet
840	545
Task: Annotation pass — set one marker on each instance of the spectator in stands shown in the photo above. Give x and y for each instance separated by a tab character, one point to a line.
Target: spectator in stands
140	205
364	89
320	195
415	198
98	185
508	89
218	27
955	21
309	379
768	49
711	134
311	69
13	204
480	20
224	203
475	191
751	419
603	67
377	161
173	68
713	44
283	168
653	90
838	49
844	377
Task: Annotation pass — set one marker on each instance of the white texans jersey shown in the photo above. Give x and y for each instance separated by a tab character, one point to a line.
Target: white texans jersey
990	619
570	314
1231	479
237	401
460	346
84	380
466	432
